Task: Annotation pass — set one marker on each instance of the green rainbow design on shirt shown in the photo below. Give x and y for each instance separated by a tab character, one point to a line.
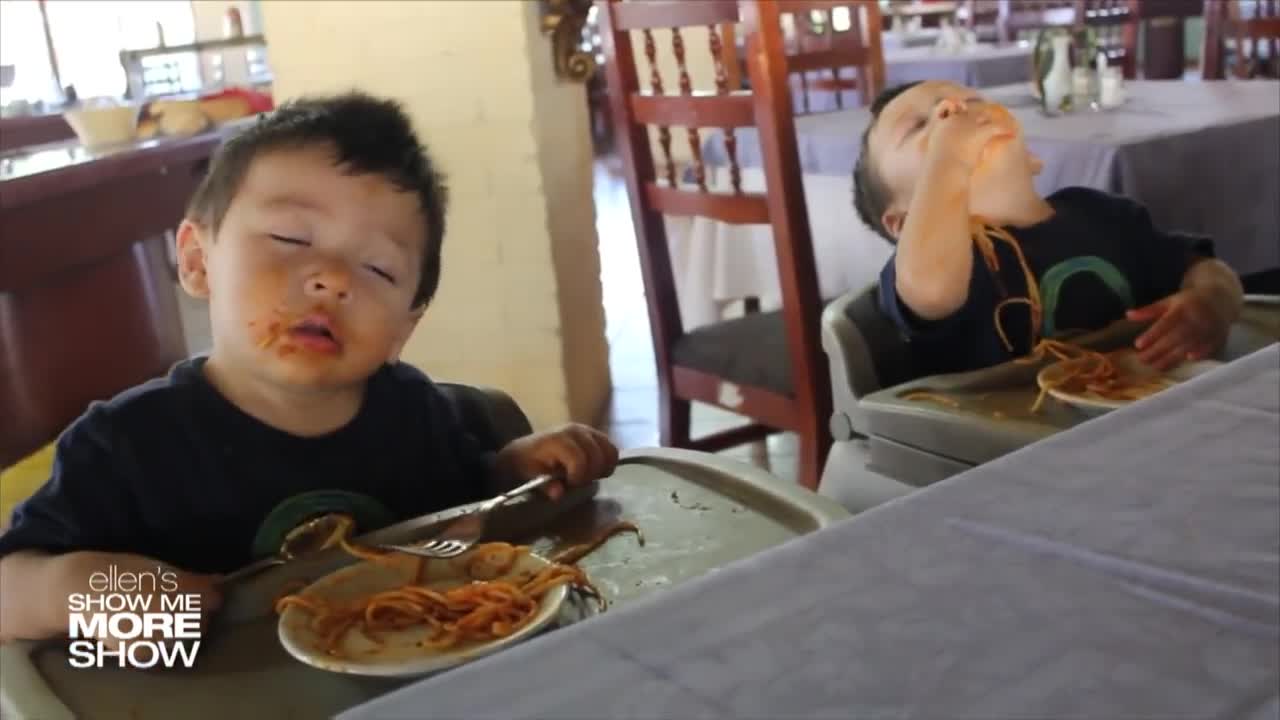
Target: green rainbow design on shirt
297	509
1052	282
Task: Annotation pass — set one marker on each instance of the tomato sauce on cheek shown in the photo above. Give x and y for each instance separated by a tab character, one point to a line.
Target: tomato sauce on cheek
264	295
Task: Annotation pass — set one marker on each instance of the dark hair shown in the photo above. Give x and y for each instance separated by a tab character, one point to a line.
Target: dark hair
871	196
368	135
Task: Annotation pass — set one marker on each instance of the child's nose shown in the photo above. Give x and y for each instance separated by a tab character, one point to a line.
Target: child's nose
949	107
329	285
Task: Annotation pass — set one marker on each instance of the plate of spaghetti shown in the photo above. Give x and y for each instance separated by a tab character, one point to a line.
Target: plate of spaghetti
1106	381
1078	375
399	615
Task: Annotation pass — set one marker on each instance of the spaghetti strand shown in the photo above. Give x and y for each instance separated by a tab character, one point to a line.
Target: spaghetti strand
1084	371
493	603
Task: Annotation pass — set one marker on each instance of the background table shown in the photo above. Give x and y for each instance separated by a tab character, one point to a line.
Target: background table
84	267
923	37
1127	568
981	66
1200	155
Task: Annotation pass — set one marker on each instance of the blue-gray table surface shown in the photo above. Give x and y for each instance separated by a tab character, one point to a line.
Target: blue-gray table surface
1127	568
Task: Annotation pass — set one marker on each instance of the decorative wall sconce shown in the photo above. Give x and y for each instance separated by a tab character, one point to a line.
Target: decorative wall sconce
563	20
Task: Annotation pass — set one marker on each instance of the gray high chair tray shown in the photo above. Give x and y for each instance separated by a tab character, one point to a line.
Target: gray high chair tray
698	512
987	413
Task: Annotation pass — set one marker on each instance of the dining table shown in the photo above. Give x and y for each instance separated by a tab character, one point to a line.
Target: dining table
977	65
905	37
1201	156
1129	567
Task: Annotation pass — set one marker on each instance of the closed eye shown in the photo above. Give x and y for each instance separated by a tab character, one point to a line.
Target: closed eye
916	127
382	273
288	240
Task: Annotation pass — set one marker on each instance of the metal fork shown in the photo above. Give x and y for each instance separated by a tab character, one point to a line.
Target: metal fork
462	534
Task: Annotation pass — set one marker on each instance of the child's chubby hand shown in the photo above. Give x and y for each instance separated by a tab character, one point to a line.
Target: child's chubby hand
74	573
1191	324
574	453
959	134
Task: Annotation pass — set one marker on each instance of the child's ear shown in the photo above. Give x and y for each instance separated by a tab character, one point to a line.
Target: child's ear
406	331
192	269
892	221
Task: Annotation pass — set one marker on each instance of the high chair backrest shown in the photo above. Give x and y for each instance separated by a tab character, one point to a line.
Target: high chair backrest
865	352
1252	27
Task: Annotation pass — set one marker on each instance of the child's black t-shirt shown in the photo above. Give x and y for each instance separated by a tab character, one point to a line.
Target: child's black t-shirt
1095	258
172	470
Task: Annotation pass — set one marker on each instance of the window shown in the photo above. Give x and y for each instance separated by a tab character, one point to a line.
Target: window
22	46
87	37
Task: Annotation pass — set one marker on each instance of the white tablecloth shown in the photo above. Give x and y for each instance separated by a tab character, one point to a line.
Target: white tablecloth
1203	157
893	40
1129	568
715	264
981	66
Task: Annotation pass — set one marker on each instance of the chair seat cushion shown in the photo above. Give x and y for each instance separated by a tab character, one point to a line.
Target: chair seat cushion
750	350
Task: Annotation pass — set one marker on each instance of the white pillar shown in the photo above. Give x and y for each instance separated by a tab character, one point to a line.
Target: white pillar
519	305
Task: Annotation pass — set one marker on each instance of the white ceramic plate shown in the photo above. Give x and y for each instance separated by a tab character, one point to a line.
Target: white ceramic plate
400	654
1129	363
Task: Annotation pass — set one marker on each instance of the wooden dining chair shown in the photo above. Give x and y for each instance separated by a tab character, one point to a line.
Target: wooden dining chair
980	16
1018	16
1115	23
767	367
1252	29
834	48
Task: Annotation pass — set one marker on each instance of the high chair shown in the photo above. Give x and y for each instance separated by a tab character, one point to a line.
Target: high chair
887	442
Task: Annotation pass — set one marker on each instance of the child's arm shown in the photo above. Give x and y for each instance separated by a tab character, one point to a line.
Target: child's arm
1220	284
577	454
56	537
35	587
1193	323
935	248
29	586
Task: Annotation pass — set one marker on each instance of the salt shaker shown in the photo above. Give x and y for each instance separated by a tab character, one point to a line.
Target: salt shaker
1080	82
1112	88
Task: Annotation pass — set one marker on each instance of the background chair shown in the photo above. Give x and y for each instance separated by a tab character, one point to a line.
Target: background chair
767	367
839	39
1241	38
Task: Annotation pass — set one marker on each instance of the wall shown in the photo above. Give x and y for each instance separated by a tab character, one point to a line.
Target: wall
519	305
209	16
